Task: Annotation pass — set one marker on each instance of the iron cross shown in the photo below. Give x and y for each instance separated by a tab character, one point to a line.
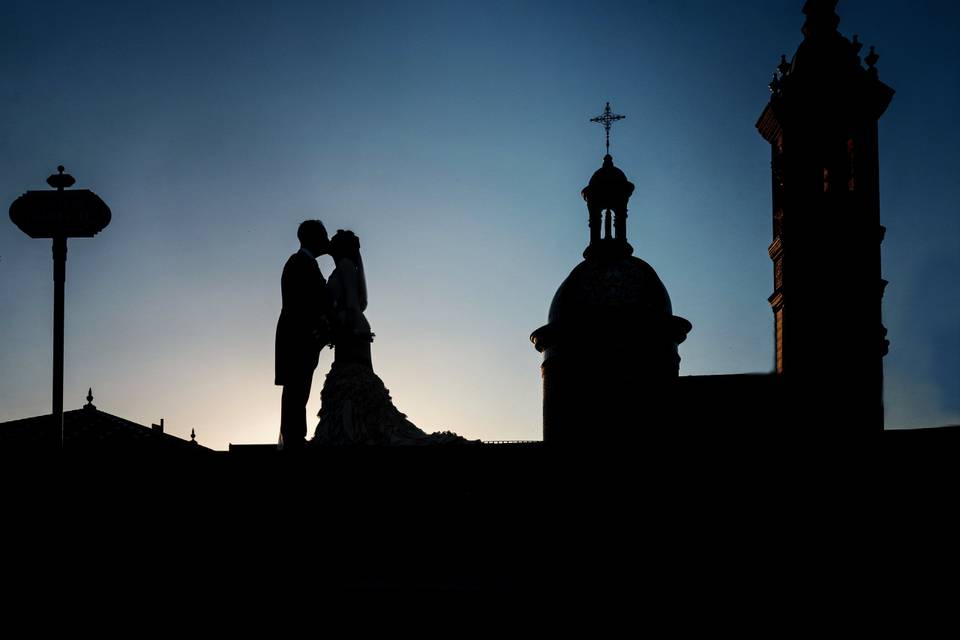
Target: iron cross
607	118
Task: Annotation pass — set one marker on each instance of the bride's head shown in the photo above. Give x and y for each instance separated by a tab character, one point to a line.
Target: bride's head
344	244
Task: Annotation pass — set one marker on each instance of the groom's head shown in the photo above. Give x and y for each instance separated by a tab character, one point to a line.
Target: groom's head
313	237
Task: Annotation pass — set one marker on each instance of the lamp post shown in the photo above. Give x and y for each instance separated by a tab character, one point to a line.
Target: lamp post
59	214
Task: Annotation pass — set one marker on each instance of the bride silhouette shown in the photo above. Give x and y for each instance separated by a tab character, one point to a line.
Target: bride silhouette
355	405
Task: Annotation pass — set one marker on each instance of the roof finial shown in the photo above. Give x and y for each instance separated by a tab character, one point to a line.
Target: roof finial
606	119
61	180
871	59
90	404
193	435
784	66
856	45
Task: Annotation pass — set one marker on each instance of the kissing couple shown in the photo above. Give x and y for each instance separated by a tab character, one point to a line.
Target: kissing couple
356	408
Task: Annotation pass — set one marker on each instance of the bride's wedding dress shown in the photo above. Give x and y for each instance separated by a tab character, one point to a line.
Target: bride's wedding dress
356	408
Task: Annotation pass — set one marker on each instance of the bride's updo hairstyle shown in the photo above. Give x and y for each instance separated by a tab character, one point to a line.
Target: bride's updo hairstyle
345	244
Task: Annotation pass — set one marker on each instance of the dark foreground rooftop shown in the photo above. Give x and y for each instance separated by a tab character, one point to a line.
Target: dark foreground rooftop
665	518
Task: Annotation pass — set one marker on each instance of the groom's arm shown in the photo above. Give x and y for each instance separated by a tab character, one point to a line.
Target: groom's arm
305	299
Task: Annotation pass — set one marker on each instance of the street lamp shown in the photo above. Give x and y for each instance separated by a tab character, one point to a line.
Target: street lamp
59	215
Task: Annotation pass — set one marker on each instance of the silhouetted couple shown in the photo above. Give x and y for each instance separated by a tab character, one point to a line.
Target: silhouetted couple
355	405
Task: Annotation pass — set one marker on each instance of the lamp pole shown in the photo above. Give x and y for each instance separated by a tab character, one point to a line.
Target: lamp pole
59	215
59	279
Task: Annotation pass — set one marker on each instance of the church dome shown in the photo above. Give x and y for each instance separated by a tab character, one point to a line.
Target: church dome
612	297
598	290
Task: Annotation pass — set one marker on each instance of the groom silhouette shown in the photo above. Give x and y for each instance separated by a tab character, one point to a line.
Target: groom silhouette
302	331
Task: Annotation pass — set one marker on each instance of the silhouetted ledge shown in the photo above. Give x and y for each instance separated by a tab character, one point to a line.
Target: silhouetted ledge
932	432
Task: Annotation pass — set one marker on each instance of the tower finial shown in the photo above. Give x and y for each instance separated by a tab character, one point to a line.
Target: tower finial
871	59
607	118
822	18
856	45
784	66
89	404
193	435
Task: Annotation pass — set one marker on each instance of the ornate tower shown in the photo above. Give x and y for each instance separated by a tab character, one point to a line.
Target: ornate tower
610	344
821	123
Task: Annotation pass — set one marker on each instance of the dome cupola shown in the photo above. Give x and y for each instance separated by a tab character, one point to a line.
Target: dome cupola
610	343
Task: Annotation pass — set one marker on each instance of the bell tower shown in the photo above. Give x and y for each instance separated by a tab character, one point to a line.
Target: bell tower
821	124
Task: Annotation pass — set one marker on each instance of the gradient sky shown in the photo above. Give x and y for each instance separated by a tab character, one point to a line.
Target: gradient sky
453	137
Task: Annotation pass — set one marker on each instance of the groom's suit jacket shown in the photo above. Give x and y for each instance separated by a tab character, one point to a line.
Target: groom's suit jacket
302	329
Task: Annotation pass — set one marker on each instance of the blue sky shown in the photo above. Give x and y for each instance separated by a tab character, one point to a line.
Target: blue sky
454	139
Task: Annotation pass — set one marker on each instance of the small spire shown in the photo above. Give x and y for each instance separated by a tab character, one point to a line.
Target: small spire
90	404
193	436
784	66
856	45
871	59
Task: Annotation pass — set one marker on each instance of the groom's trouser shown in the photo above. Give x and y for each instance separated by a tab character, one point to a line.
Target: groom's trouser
293	412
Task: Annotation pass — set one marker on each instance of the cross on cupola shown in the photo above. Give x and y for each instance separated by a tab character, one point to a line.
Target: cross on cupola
606	196
607	118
